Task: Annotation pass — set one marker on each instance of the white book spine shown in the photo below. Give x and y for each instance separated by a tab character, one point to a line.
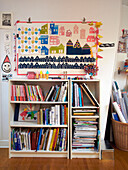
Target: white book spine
49	141
119	112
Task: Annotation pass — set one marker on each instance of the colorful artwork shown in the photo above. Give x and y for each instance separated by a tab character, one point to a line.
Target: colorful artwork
62	31
60	45
57	49
6	65
44	50
28	112
44	29
91	38
68	33
43	39
76	29
77	49
54	28
82	34
54	40
91	30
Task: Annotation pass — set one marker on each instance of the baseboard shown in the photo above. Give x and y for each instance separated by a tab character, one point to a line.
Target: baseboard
4	144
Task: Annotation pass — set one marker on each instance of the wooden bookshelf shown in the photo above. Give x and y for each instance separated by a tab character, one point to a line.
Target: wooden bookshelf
45	86
94	86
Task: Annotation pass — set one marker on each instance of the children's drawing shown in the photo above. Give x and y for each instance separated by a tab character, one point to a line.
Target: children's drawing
54	28
61	31
82	34
44	29
91	38
43	39
75	29
6	65
28	112
91	30
54	40
68	33
57	49
77	49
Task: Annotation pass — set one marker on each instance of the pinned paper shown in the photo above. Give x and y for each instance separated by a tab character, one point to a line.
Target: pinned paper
62	31
68	33
90	38
91	30
75	29
44	29
54	40
6	65
82	34
57	49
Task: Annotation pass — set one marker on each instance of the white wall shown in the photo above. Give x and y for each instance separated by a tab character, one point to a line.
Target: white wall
120	59
101	10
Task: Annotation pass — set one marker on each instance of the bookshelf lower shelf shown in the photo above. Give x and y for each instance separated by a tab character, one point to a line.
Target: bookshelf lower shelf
83	154
34	153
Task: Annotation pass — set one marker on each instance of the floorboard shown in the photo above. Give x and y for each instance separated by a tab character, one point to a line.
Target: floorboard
120	163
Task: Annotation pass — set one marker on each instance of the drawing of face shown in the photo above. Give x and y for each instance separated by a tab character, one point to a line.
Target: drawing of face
6	66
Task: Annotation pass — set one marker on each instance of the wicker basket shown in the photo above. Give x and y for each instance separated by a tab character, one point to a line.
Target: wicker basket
120	131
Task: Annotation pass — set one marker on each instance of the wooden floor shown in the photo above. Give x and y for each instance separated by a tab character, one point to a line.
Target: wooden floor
120	163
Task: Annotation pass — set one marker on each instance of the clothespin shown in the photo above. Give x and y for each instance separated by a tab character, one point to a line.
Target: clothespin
29	20
84	21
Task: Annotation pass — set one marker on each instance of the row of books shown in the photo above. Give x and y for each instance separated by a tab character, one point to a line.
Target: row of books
56	115
84	135
35	93
80	94
39	139
84	112
120	103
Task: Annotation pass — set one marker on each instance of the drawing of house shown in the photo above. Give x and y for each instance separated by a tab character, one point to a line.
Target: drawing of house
54	40
76	29
90	38
54	28
44	50
44	29
77	49
91	30
68	33
57	49
44	39
62	30
82	34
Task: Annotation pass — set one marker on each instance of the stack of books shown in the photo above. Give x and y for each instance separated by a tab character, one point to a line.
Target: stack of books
35	93
39	139
79	91
56	115
85	134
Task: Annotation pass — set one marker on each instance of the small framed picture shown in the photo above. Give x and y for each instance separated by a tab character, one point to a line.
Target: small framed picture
6	20
121	47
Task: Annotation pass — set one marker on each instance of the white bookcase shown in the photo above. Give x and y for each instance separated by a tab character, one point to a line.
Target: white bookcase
45	85
94	86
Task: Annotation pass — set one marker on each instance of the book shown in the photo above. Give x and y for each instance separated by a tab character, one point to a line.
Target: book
119	112
91	94
16	112
85	91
